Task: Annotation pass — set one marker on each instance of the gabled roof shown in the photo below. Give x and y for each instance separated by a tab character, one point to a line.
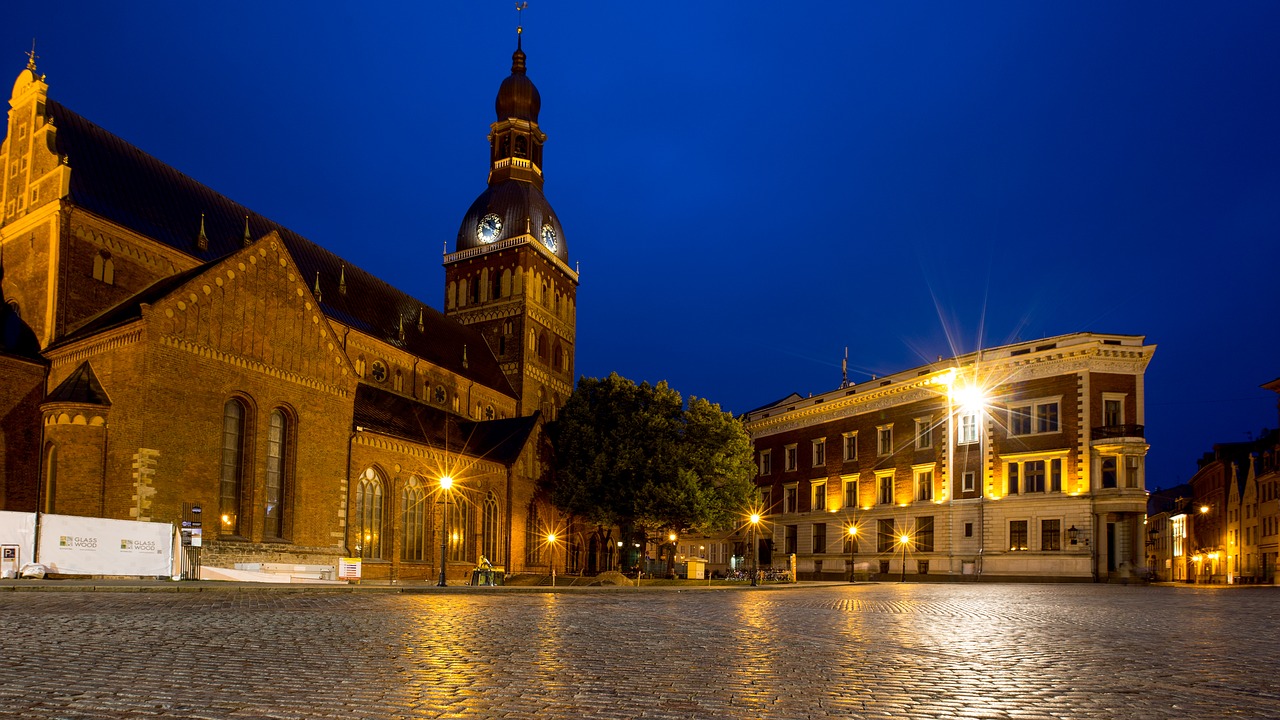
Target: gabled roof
498	440
782	401
119	182
81	387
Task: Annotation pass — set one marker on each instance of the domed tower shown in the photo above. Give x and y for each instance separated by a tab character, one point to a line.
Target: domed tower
509	273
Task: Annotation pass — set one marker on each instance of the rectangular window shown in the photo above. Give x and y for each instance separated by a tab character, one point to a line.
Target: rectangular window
1109	471
884	489
819	453
790	458
1131	472
819	496
922	567
819	538
884	441
790	499
1011	478
969	481
885	536
1050	535
1055	475
766	499
924	534
968	529
850	446
968	428
766	462
1017	534
1032	418
1033	476
924	434
1020	420
1047	418
850	542
1112	412
790	539
924	485
851	493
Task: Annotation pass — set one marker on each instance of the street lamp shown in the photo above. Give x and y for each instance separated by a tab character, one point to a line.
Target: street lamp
671	556
619	568
551	560
755	554
903	540
446	483
853	547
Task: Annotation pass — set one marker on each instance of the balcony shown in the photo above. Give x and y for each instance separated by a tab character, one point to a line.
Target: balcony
1108	432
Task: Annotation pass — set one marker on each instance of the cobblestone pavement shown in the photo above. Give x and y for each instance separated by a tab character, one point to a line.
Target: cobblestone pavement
864	651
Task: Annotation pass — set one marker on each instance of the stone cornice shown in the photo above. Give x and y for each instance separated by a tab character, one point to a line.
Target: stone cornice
78	352
513	242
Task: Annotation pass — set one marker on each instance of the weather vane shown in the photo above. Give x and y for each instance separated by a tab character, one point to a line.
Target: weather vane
520	6
31	56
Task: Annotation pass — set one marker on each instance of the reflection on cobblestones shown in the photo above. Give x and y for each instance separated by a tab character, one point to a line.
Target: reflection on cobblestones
866	651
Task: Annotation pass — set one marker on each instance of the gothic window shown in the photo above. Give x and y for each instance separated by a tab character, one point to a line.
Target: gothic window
413	545
232	484
368	515
378	371
489	528
504	148
542	346
555	356
532	537
104	268
51	478
458	522
278	440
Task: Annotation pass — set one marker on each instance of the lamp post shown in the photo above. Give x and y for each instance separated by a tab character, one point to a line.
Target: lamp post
551	560
755	555
853	548
671	556
619	567
446	483
903	540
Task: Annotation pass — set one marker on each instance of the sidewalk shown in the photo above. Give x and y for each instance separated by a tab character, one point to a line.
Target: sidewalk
149	585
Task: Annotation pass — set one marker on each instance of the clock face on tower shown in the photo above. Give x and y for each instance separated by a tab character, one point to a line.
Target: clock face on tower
549	237
488	228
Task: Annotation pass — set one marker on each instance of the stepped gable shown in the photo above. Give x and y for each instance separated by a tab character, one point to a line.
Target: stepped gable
113	179
497	440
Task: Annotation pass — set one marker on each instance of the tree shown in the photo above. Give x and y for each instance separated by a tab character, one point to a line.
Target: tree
634	456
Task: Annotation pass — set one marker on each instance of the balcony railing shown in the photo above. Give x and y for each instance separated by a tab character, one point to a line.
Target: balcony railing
1118	431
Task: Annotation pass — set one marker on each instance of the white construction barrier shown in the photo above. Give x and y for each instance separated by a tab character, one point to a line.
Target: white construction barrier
96	546
17	541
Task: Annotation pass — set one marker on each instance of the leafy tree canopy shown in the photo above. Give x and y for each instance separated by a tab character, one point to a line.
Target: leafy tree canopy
635	455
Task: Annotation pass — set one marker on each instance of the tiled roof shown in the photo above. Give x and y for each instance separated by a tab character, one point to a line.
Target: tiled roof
81	387
497	440
116	180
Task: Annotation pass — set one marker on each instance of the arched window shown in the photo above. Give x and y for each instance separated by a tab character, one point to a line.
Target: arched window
542	346
522	146
489	529
413	545
532	537
458	524
368	517
232	486
50	478
474	285
278	440
104	268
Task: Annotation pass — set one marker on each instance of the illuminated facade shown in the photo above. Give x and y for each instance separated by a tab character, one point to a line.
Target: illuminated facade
1019	462
173	348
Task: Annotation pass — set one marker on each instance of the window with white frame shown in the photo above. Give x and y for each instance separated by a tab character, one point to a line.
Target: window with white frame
850	446
1033	417
884	489
924	433
790	454
968	428
924	484
1017	534
884	440
766	498
766	462
969	481
1112	409
851	492
818	496
819	452
789	495
1033	475
1050	535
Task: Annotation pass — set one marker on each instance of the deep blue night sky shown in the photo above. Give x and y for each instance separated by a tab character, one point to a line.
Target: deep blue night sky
750	189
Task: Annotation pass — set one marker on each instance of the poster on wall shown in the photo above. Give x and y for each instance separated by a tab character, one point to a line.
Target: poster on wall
95	546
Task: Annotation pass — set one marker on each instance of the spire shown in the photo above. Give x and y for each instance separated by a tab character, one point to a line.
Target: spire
844	369
401	331
517	58
202	240
421	327
342	280
464	357
247	238
317	288
31	57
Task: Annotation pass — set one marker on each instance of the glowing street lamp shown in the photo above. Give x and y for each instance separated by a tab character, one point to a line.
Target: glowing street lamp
551	560
853	546
755	555
446	483
671	556
903	540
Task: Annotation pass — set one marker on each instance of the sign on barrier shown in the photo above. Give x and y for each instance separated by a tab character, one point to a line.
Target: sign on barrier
349	569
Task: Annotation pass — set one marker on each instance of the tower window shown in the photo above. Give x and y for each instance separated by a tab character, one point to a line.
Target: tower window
522	146
104	268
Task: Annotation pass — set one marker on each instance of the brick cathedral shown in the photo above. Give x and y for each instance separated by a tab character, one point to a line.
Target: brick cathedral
163	347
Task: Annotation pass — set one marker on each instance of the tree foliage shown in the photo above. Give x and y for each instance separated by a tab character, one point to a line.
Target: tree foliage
635	456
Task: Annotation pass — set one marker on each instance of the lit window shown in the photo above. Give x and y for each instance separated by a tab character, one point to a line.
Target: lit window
414	543
1017	534
368	516
884	489
232	467
851	493
278	439
968	428
924	485
819	496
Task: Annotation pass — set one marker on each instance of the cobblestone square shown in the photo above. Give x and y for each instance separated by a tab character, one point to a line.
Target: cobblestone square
862	651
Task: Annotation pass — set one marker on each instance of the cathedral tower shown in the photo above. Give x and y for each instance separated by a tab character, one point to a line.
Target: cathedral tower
509	274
